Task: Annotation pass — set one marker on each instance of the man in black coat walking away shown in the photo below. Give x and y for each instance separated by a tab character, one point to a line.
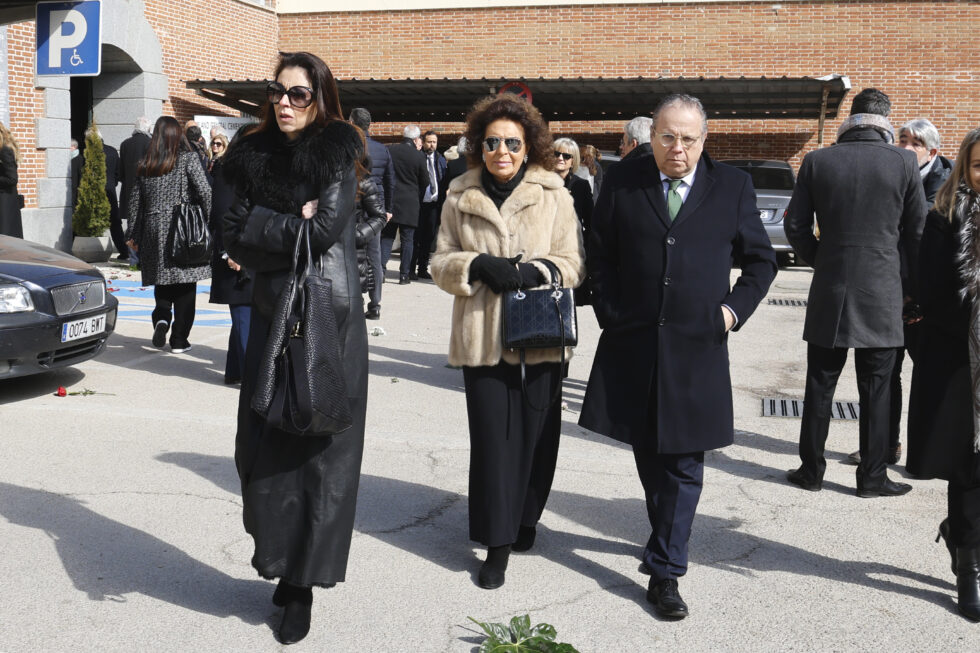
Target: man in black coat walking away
664	234
383	174
868	200
131	151
411	180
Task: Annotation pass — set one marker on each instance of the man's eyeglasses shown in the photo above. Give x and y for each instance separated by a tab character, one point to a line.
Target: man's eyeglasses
669	140
563	155
491	143
300	97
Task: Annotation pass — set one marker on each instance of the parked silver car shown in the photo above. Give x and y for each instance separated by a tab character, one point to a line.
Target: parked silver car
774	182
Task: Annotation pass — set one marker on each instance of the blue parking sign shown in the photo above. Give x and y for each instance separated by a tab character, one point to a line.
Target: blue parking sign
69	38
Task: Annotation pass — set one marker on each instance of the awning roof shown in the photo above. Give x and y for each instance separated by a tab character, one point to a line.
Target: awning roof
618	98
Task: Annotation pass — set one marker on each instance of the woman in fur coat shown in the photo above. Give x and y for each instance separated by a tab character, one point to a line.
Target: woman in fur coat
944	405
501	219
298	492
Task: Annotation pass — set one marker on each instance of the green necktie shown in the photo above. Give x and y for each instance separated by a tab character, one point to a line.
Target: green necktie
674	201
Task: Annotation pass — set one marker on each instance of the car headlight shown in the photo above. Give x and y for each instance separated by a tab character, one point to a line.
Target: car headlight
15	299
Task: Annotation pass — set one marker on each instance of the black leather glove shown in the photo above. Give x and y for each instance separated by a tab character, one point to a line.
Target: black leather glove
499	273
530	275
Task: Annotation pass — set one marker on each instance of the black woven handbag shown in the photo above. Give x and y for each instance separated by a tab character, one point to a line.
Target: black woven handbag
189	240
540	319
301	387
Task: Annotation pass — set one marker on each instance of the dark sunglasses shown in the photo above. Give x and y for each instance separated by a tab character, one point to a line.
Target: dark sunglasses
563	155
491	143
299	96
217	144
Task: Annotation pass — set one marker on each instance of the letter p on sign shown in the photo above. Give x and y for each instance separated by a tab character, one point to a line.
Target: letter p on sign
69	38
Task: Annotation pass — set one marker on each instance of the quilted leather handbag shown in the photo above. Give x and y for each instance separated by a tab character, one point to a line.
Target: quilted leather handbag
301	387
540	319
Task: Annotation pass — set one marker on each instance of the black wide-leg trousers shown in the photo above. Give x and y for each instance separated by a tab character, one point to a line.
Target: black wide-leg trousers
513	447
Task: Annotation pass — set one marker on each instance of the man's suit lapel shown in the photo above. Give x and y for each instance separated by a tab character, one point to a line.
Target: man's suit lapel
703	181
655	193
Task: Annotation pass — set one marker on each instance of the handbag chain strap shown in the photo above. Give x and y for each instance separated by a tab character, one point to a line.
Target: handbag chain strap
556	280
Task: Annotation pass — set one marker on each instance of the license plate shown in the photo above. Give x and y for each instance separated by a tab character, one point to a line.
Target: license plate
78	329
766	214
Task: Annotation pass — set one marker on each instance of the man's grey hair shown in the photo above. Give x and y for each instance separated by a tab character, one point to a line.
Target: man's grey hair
142	125
683	100
411	132
922	129
638	129
461	145
361	117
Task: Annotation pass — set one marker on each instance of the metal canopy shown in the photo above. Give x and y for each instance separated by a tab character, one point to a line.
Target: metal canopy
618	98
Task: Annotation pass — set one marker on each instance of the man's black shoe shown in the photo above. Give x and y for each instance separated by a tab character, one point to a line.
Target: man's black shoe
801	478
413	277
424	275
666	599
403	280
888	488
373	313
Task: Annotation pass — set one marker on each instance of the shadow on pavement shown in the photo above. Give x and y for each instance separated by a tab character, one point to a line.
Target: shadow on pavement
201	363
37	385
418	366
107	559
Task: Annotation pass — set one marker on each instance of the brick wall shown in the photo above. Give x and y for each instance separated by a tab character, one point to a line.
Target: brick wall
922	54
26	105
211	39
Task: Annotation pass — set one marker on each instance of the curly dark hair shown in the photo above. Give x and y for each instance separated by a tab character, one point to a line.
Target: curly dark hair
537	136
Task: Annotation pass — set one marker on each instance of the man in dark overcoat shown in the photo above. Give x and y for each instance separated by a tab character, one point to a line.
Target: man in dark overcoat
131	152
869	204
434	196
411	180
664	234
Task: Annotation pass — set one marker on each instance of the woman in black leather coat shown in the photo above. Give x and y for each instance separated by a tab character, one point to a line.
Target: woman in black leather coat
298	492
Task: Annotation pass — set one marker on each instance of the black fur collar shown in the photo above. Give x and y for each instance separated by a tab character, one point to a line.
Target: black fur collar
274	167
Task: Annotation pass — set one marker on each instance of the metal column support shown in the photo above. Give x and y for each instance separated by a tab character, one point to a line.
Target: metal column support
823	114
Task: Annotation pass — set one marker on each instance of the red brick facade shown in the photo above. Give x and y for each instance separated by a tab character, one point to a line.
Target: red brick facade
26	105
923	54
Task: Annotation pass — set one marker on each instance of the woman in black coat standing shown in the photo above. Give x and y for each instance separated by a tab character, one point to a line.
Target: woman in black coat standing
299	492
944	405
10	221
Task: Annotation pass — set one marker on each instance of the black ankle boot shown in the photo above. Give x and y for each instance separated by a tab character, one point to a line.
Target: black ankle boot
525	538
296	615
944	534
968	581
492	572
282	593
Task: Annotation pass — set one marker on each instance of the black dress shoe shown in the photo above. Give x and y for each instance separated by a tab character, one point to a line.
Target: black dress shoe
525	539
413	277
666	599
804	480
887	488
403	280
296	615
373	313
424	275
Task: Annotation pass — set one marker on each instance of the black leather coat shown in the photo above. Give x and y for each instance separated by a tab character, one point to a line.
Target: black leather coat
371	220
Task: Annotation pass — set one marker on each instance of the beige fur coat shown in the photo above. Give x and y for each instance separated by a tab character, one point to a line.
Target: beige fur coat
536	221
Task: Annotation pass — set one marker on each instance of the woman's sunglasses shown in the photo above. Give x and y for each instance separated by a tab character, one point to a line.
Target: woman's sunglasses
300	97
563	155
217	144
491	143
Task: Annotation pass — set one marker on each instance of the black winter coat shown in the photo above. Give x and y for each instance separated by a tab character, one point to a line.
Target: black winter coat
868	200
227	285
298	492
411	180
382	171
940	424
937	175
131	152
660	377
371	219
10	219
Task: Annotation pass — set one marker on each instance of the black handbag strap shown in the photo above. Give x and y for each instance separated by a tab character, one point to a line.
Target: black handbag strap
556	281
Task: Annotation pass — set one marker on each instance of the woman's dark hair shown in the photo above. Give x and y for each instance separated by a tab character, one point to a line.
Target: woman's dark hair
166	143
537	136
326	100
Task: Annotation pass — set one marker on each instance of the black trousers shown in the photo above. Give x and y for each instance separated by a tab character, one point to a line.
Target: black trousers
672	484
115	225
425	236
181	299
874	378
513	448
407	235
895	421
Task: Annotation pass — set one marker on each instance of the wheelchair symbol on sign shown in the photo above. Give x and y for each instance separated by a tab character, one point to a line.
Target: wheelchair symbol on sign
75	59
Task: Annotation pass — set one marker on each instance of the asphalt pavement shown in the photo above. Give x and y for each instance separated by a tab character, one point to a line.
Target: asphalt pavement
120	513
